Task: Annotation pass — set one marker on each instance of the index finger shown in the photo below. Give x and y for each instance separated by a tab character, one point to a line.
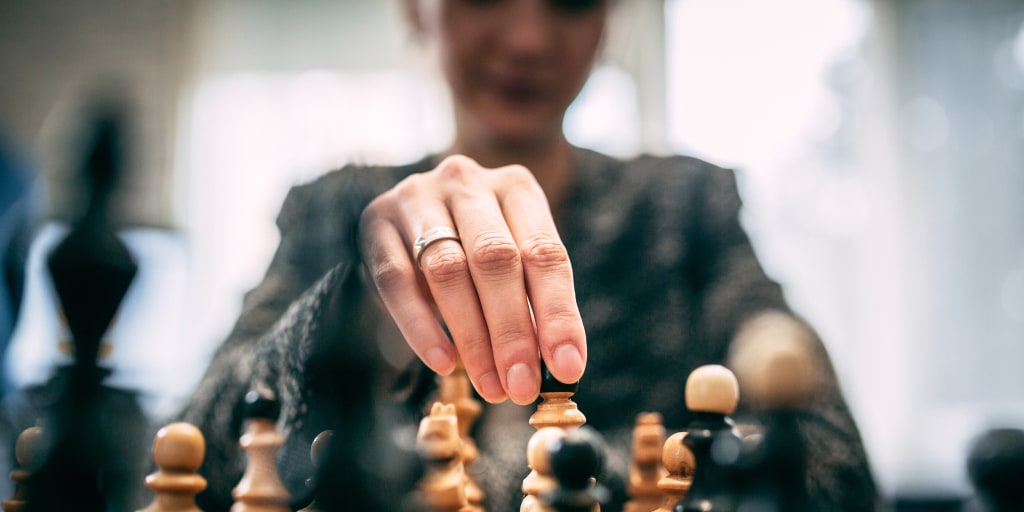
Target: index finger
549	280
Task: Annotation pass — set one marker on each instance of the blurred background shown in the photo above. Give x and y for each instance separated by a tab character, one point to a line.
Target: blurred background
879	144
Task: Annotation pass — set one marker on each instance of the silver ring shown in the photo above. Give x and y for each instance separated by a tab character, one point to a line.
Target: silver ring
430	236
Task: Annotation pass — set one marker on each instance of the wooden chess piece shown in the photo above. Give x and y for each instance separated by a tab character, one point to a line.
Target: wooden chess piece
776	369
576	459
678	461
541	480
178	451
455	389
261	489
443	487
556	408
712	394
26	448
317	453
645	470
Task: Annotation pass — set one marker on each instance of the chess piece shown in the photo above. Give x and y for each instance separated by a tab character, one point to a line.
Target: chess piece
556	408
776	370
26	448
541	480
178	451
711	394
443	488
773	360
773	470
261	489
455	389
645	469
317	453
576	460
995	465
370	463
678	461
94	433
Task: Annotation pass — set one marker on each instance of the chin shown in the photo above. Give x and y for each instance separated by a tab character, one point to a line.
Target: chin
512	130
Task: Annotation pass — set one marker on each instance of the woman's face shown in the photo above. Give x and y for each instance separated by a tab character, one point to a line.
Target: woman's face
514	66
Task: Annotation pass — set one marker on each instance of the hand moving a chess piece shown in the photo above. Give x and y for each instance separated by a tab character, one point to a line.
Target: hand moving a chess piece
475	235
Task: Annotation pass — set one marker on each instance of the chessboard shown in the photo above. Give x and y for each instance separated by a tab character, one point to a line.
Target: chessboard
76	458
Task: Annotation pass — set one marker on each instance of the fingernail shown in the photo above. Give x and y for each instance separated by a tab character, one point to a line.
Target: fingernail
439	361
569	362
523	384
490	387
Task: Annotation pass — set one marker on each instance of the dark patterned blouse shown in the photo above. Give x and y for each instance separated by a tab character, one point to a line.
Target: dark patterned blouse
664	277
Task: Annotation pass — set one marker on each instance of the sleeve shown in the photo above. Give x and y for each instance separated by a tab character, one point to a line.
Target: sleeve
724	267
313	274
736	291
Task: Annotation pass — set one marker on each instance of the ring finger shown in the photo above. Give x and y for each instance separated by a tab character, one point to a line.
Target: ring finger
445	268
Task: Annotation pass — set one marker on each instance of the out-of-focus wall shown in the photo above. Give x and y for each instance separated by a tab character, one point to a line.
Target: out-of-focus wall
56	57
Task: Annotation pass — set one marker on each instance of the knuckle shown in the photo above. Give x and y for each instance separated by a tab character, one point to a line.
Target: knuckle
544	252
456	167
567	316
495	253
445	263
475	349
517	171
389	273
374	209
509	338
406	189
564	319
519	176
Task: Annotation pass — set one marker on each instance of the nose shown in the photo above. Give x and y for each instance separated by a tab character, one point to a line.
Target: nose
526	32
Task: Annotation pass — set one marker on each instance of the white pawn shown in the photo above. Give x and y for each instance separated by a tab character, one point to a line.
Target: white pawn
178	451
25	450
678	461
541	480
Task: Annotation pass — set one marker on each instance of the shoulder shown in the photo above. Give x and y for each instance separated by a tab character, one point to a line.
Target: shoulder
705	184
345	190
674	177
675	167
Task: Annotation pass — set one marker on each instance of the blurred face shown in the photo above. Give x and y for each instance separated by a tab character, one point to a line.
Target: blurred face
514	66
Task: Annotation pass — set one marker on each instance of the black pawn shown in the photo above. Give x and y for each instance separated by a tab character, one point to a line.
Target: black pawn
549	384
996	468
712	393
576	460
556	408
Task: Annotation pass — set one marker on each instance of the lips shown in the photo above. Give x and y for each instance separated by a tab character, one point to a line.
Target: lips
518	91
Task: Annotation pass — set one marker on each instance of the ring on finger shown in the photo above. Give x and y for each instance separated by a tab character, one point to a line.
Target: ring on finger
430	236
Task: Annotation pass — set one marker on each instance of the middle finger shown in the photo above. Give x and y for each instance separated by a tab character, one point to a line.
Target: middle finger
496	268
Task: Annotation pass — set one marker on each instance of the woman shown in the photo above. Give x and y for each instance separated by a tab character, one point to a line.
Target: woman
661	274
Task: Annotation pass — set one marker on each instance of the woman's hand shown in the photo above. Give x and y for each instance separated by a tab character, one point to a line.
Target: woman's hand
505	292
